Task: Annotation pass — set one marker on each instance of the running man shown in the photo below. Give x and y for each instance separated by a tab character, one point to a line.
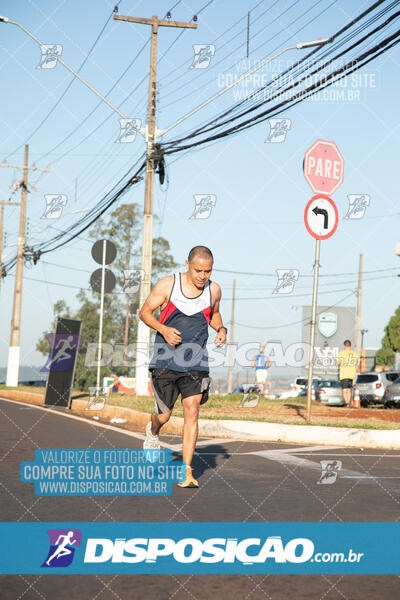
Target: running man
189	303
348	363
62	549
261	363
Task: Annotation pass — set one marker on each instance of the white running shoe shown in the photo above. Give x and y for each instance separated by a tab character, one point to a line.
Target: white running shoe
152	442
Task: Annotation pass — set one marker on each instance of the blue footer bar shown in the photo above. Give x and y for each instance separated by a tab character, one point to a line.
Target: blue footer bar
213	548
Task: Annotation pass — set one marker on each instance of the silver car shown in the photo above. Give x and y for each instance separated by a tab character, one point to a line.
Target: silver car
372	385
330	392
392	394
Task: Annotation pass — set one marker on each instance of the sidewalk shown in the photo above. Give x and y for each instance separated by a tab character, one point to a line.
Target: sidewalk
236	429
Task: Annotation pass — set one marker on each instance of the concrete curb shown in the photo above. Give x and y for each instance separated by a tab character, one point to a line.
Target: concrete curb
388	439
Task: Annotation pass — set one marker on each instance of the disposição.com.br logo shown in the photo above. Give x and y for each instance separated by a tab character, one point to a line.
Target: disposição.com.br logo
62	547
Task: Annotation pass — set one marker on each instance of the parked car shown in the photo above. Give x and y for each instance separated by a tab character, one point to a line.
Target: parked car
315	384
298	385
372	385
392	395
330	392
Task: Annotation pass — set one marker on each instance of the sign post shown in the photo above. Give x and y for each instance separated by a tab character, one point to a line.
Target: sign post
323	169
103	252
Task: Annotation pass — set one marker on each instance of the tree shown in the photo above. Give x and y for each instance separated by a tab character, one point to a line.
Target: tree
123	228
390	341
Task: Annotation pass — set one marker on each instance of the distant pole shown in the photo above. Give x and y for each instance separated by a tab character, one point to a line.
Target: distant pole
363	332
248	33
312	333
231	339
359	302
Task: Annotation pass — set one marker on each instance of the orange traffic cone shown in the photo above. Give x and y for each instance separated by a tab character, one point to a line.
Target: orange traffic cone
356	399
312	393
266	392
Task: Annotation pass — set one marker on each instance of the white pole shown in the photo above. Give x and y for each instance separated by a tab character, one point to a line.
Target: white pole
99	350
312	332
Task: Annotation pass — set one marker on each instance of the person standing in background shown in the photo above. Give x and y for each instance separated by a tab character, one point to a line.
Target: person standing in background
348	367
261	364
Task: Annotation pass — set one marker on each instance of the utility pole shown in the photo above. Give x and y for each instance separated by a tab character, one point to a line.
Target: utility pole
231	340
359	299
128	302
143	332
14	349
3	203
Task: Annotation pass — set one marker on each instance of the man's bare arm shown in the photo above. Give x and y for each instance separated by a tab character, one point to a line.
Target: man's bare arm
216	319
159	295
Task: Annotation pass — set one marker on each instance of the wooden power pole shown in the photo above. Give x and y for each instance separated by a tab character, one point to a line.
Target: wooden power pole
359	306
143	332
231	339
3	203
14	349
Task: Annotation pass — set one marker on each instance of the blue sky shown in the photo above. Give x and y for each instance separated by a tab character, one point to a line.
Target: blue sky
257	223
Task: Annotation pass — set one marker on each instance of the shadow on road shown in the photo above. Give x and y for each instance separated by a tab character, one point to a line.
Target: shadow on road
205	459
299	409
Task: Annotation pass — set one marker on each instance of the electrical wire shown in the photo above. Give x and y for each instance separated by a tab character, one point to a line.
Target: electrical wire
294	322
351	66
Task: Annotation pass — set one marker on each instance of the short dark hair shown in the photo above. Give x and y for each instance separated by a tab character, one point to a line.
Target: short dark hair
201	251
347	343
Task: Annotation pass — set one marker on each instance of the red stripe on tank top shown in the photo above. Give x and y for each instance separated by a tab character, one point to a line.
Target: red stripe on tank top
207	313
167	312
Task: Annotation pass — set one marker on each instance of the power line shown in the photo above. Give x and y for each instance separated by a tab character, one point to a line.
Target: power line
294	322
321	275
351	66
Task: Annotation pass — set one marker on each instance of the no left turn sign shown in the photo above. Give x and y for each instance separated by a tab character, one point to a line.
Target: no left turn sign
321	217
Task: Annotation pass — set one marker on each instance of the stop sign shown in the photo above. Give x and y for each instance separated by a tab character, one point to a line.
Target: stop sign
323	167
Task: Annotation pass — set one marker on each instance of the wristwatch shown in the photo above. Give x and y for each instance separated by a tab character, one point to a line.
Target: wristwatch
222	327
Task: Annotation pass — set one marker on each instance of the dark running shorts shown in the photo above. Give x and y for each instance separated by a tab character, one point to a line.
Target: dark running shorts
346	383
167	386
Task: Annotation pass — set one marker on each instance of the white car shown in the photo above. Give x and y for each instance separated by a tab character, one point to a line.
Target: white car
295	388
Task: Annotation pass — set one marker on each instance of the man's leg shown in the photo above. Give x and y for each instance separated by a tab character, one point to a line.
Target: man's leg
158	420
191	406
346	395
165	395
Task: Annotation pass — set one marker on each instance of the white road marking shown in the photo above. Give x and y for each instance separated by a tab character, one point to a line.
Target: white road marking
134	434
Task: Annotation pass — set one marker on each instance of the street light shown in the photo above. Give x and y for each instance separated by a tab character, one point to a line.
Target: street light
143	333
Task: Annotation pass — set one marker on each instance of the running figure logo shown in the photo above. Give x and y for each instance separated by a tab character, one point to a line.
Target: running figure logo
63	347
358	204
132	280
62	547
202	55
278	129
96	399
47	60
249	400
286	281
54	206
329	471
128	130
203	205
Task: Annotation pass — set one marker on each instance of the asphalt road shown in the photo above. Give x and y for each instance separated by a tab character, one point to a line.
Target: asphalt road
239	481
